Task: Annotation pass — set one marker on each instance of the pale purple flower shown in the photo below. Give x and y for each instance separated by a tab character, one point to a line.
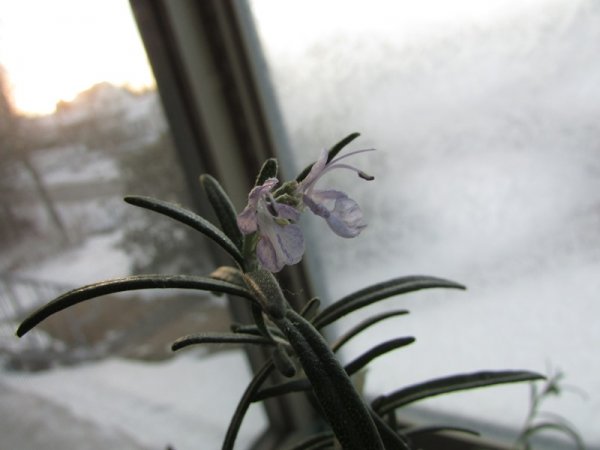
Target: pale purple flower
280	242
343	215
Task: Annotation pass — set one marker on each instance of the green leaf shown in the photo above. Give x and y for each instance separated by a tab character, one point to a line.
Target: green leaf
268	170
267	291
351	368
342	406
254	330
380	349
311	308
190	219
553	426
259	320
377	292
386	403
287	387
333	151
283	363
135	282
244	403
363	326
391	438
223	208
219	338
431	429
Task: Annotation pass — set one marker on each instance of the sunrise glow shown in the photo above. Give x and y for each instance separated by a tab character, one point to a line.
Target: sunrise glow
53	50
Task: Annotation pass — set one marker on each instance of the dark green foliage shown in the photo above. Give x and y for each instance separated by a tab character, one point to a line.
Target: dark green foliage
363	326
420	431
219	338
342	406
351	368
311	308
267	291
244	403
268	170
377	351
299	350
377	292
386	403
223	208
135	282
284	364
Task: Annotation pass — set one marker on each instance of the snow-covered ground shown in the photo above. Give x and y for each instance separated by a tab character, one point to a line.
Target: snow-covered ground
185	402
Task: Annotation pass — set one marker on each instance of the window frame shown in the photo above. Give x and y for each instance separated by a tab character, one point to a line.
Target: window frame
224	121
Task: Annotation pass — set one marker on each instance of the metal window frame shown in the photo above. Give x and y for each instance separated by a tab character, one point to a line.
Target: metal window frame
224	121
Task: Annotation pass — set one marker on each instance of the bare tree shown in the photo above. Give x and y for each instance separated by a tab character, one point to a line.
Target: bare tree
15	151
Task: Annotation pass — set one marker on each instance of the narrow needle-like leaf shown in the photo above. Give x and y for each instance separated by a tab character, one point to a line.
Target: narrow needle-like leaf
190	219
363	326
553	426
377	351
386	403
219	338
244	403
268	170
377	292
223	208
343	407
430	429
311	308
135	282
351	368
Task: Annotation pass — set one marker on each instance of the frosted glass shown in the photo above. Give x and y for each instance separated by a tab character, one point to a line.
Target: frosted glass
485	117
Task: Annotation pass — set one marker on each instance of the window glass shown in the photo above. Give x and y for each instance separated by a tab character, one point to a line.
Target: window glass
81	126
484	117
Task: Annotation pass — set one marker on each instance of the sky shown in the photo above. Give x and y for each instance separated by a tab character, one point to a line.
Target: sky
296	20
53	50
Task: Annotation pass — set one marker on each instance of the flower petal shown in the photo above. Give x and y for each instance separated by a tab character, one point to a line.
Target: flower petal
280	245
247	220
286	211
315	172
267	256
343	215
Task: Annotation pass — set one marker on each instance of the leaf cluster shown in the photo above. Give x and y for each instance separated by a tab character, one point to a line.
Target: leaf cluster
300	353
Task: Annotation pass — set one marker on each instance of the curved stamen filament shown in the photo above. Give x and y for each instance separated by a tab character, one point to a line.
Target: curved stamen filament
335	164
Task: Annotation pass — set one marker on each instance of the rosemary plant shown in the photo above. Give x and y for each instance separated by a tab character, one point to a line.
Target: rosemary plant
261	240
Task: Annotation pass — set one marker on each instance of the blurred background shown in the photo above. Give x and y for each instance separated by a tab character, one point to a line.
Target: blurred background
487	172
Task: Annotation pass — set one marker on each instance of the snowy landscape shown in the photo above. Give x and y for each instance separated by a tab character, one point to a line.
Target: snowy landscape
82	392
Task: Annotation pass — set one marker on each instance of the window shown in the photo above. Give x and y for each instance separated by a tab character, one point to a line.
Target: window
484	115
81	126
476	113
